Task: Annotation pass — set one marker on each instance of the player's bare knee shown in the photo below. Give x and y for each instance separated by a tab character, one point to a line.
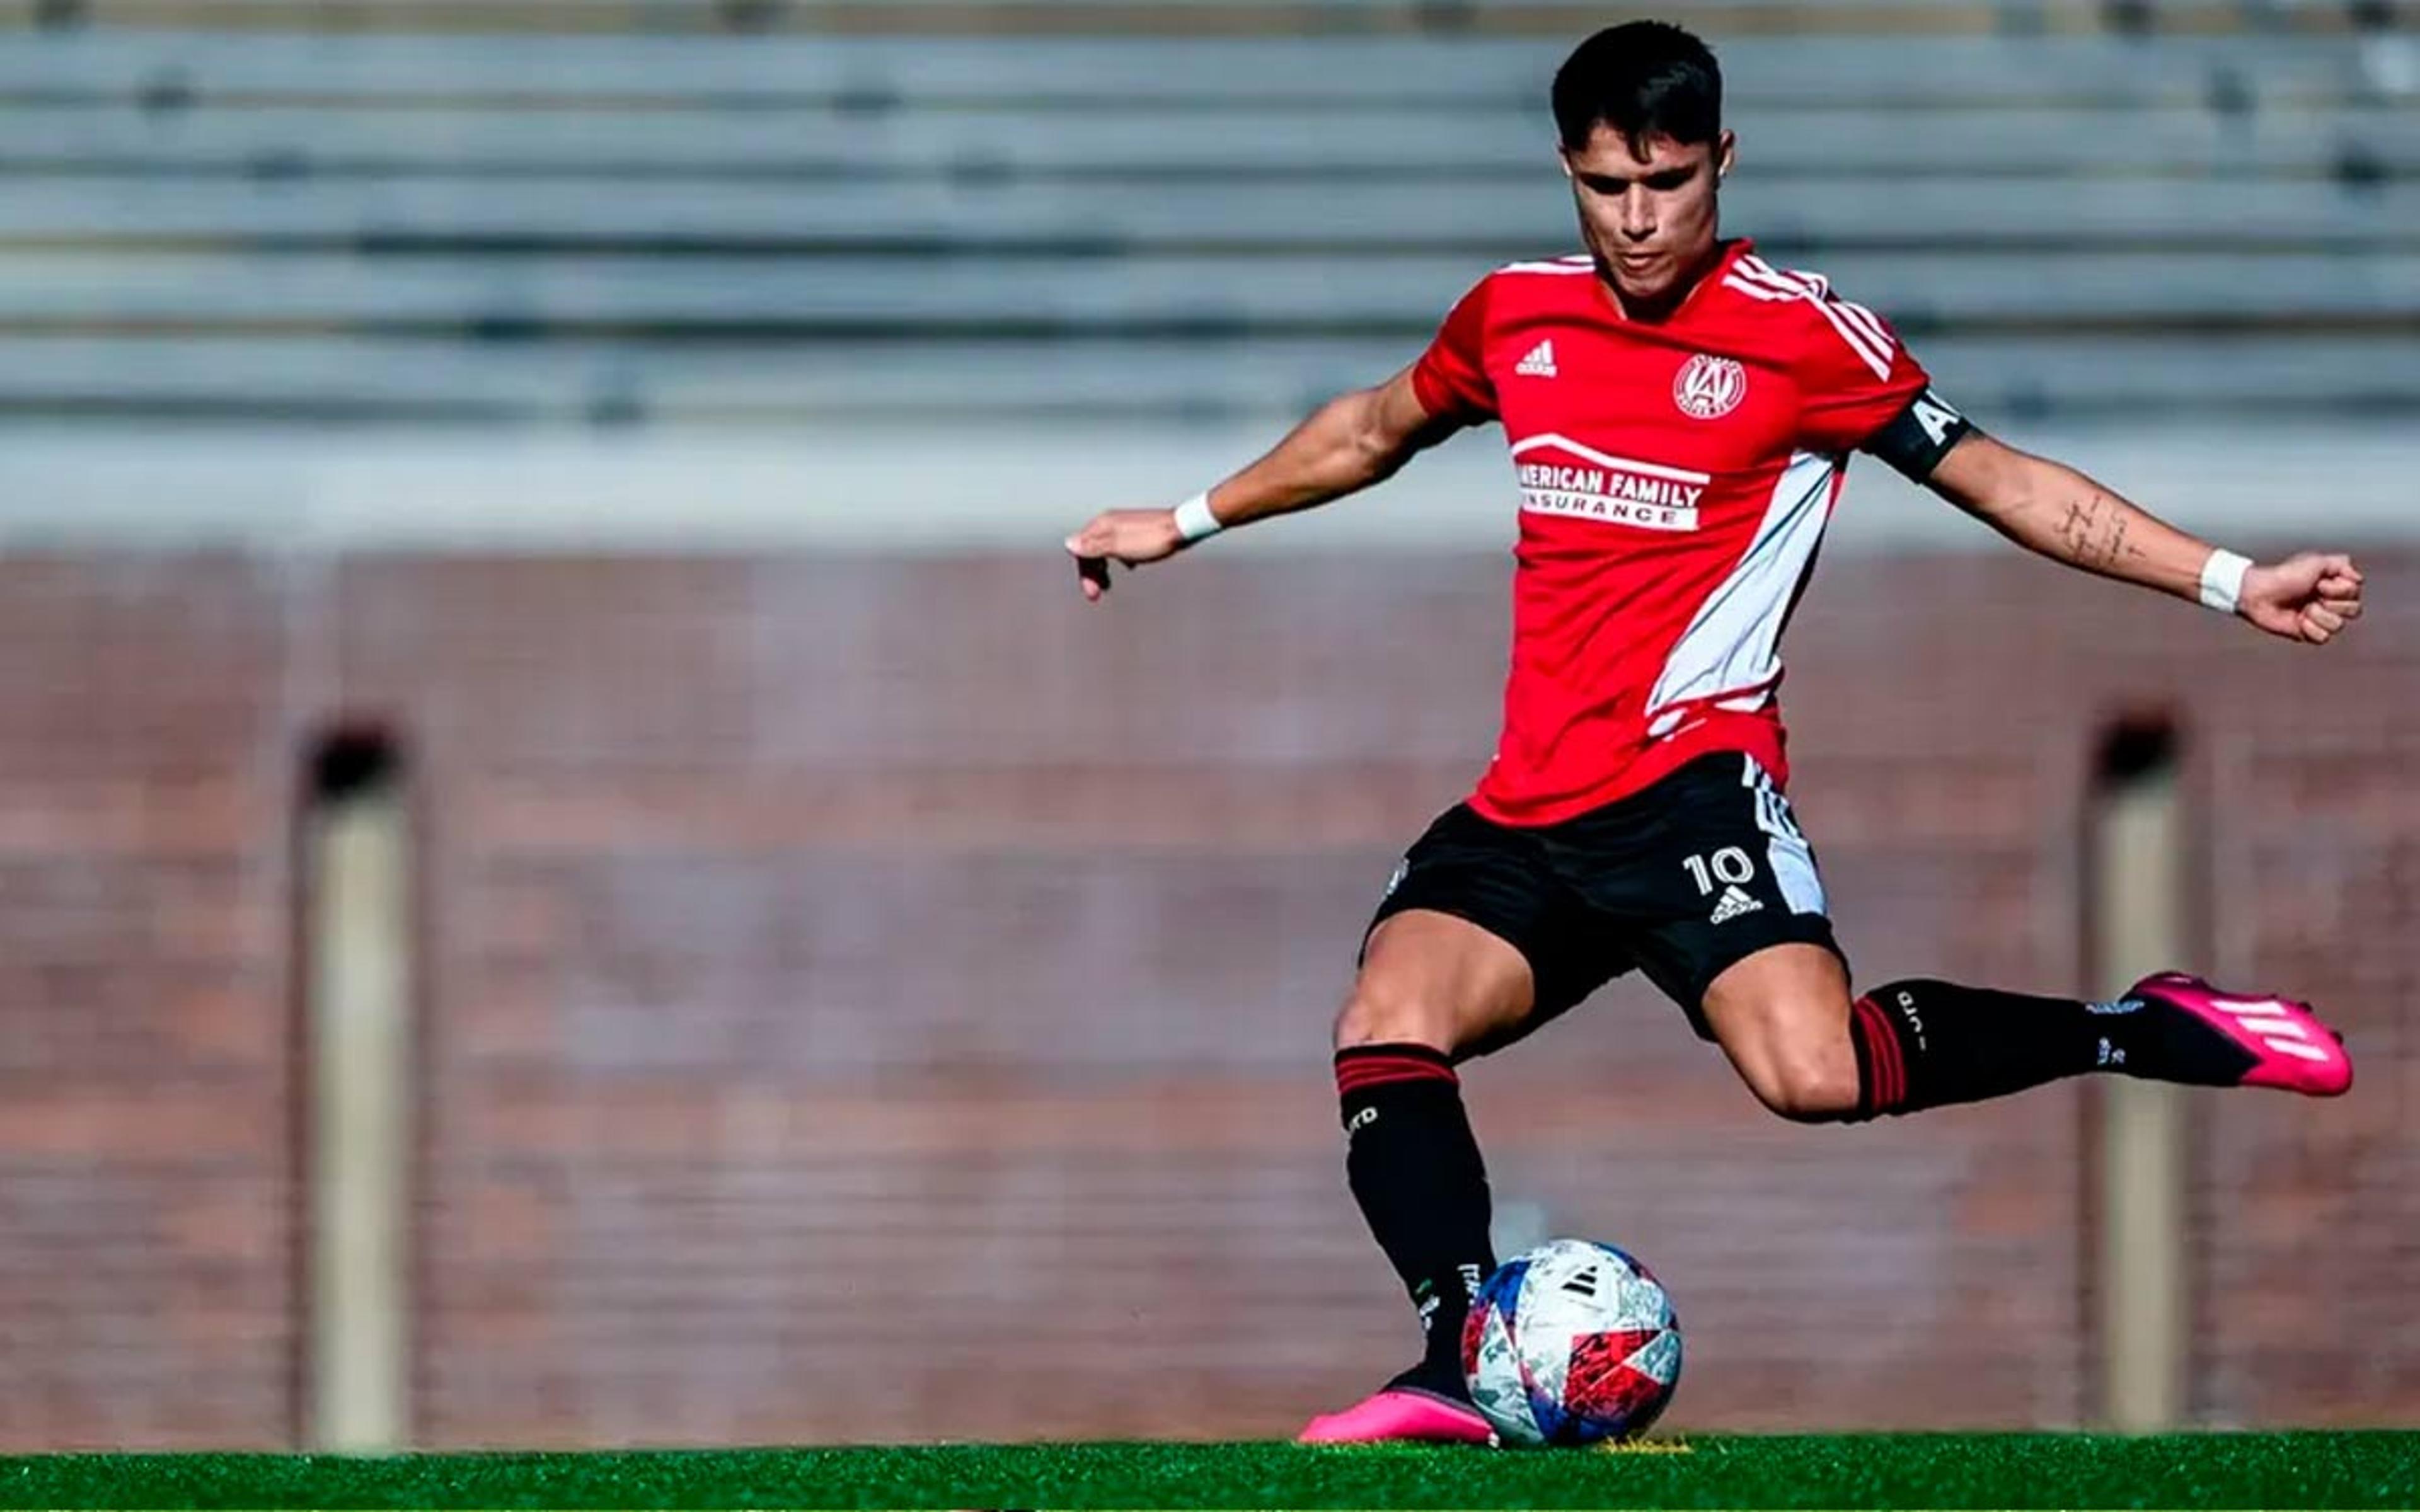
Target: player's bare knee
1378	1012
1810	1084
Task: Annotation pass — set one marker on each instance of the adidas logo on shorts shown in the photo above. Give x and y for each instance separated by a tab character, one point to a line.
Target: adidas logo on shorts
1734	903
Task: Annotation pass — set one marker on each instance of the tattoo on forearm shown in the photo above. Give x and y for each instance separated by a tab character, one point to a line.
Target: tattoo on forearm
2093	534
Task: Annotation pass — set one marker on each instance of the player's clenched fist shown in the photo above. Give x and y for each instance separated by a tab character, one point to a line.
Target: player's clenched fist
2308	597
1127	536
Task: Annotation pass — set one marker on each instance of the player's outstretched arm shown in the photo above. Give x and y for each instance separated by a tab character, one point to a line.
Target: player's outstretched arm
1348	443
2053	509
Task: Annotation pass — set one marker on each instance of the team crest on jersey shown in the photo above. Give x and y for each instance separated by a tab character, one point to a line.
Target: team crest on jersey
1709	387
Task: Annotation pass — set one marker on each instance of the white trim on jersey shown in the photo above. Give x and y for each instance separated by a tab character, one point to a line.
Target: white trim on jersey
1755	267
1859	327
1796	284
1817	290
1564	264
1865	321
1730	649
1786	850
1759	291
1651	469
1876	354
1800	278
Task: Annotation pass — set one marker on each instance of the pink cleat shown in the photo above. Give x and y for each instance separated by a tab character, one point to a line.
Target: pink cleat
1401	1414
2290	1049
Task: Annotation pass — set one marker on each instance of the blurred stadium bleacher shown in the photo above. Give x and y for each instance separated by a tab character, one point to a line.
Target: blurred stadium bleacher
2074	213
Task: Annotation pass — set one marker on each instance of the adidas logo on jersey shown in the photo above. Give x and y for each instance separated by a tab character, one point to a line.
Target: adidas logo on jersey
1734	903
1540	362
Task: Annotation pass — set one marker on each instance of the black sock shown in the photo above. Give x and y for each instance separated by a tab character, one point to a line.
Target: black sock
1925	1044
1415	1169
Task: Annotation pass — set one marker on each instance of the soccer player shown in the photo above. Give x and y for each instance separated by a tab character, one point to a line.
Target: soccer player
1680	414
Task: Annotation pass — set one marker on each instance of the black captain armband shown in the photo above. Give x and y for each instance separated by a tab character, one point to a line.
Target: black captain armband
1915	443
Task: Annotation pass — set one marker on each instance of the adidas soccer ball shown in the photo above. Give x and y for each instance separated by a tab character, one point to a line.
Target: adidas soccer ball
1570	1344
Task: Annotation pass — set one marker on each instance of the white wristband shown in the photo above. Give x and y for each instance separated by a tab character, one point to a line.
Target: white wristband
2221	580
1194	520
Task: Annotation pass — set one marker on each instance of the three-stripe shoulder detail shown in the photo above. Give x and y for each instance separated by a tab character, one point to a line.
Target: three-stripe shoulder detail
1864	330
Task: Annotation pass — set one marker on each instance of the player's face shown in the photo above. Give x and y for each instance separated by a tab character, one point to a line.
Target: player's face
1649	210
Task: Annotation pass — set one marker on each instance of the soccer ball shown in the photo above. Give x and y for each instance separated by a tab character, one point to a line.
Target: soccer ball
1570	1344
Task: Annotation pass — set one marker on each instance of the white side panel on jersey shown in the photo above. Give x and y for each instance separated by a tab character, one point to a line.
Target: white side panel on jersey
1729	654
1786	850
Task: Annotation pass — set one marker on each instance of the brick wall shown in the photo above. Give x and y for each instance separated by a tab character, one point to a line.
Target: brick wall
885	999
146	1071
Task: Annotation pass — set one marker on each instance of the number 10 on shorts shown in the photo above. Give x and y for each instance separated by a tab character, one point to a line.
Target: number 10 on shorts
1731	865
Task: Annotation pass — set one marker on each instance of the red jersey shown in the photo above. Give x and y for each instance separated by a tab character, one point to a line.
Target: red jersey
1675	478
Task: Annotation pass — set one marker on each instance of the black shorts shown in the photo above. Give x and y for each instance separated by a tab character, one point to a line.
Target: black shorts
1681	880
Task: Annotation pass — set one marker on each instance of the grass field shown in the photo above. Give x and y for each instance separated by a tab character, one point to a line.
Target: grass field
2290	1469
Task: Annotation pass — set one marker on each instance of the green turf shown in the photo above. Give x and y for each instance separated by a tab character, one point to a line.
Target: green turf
2293	1470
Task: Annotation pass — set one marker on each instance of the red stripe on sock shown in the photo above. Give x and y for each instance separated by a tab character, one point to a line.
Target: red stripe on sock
1353	1078
1887	1065
1390	1063
1358	1069
1894	1052
1898	1049
1394	1050
1877	1089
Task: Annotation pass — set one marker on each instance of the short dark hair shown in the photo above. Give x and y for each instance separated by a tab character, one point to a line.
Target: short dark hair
1644	78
